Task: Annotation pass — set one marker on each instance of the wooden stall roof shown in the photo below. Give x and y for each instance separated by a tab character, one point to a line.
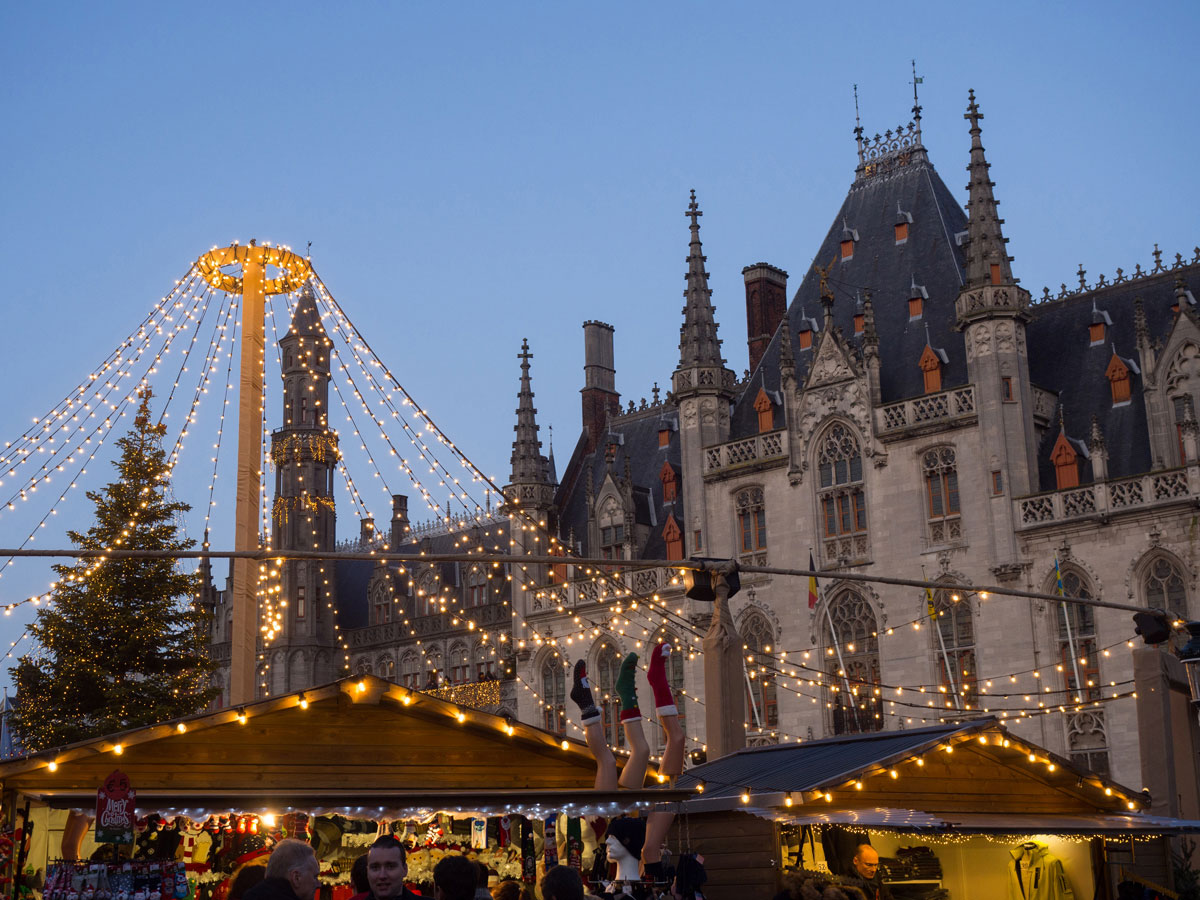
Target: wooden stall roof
358	742
973	767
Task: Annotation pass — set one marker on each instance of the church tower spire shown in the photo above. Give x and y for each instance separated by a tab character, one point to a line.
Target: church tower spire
529	481
988	261
305	454
702	385
698	341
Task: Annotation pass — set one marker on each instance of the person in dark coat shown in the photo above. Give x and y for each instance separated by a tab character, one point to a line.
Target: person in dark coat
291	873
454	878
865	874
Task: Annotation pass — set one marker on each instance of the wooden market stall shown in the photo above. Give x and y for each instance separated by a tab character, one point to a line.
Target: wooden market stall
360	748
944	807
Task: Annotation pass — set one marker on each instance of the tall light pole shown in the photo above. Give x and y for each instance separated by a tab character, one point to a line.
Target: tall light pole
253	285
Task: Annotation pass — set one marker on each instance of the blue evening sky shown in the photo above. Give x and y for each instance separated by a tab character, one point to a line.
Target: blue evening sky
473	174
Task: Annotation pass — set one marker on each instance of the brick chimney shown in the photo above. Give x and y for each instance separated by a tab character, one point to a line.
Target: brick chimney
766	303
399	519
600	397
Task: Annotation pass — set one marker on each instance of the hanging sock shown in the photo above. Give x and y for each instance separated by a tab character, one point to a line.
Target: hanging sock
528	857
574	843
664	702
627	689
581	693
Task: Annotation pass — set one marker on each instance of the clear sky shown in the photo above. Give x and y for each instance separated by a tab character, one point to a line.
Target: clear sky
473	174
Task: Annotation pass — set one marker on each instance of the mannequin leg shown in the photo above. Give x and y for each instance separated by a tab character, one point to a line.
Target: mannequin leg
593	730
634	773
659	823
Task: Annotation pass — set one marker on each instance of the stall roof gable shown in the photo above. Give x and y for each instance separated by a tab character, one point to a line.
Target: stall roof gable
962	764
355	731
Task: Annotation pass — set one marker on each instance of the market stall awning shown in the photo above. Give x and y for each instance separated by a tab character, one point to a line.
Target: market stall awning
942	772
356	745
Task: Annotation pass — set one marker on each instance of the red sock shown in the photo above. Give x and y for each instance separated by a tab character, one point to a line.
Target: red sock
664	702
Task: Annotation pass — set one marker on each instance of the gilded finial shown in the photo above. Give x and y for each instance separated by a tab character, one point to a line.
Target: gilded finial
826	292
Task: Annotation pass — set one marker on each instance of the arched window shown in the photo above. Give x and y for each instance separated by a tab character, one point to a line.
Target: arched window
427	593
941	495
485	662
758	637
476	584
751	520
386	667
433	668
954	647
840	492
1089	742
410	670
362	667
852	665
554	695
604	691
1164	588
460	663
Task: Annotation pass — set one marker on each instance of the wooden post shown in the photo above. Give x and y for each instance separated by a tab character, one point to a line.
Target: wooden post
244	640
724	700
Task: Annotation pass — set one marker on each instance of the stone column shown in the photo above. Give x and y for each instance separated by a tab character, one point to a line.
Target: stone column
724	678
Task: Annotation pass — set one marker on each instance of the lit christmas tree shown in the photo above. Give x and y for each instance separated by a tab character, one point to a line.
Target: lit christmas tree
123	642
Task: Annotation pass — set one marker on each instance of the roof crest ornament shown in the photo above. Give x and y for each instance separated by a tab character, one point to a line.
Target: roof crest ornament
858	130
1138	274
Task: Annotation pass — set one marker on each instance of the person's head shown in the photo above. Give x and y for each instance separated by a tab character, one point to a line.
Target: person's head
562	883
358	875
866	861
295	862
246	878
386	867
481	874
455	878
506	890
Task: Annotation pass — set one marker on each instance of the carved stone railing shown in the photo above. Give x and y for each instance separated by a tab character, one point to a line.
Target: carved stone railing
386	634
767	448
940	408
588	592
1105	498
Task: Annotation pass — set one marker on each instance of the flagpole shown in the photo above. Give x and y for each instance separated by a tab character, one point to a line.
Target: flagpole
842	665
750	691
941	642
1070	637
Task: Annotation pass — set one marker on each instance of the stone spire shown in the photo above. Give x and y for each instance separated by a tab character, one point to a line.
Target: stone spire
527	464
306	320
987	260
698	341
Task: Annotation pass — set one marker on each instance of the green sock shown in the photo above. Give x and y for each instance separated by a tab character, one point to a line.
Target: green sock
627	688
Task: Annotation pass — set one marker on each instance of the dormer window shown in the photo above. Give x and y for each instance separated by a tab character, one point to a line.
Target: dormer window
917	295
673	538
1117	374
670	482
664	437
805	337
859	323
1066	463
931	366
1098	330
849	239
765	410
903	220
996	273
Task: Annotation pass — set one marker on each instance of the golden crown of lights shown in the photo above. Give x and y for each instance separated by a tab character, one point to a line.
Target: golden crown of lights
294	270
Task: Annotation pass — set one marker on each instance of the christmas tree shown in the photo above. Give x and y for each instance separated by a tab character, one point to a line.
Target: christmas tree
123	642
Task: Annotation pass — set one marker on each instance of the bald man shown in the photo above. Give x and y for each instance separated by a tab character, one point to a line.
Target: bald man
866	867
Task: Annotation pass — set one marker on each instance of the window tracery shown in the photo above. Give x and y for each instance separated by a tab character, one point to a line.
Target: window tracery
841	497
853	668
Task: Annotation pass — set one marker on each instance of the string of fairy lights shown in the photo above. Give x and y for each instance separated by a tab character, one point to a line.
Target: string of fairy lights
623	611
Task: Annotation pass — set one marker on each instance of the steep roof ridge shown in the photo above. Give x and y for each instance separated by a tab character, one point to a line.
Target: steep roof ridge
698	341
1147	275
306	318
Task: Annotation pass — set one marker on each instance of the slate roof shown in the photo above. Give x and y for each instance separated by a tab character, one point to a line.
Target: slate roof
930	257
638	442
1061	359
814	764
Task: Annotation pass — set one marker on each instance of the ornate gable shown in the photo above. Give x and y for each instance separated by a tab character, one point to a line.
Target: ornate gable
833	363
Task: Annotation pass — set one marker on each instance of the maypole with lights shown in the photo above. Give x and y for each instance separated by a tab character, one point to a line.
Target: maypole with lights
253	285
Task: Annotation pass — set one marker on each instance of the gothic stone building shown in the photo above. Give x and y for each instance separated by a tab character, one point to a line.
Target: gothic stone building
911	412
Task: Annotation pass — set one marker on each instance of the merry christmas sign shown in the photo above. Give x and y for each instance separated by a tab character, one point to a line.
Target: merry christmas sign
115	816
